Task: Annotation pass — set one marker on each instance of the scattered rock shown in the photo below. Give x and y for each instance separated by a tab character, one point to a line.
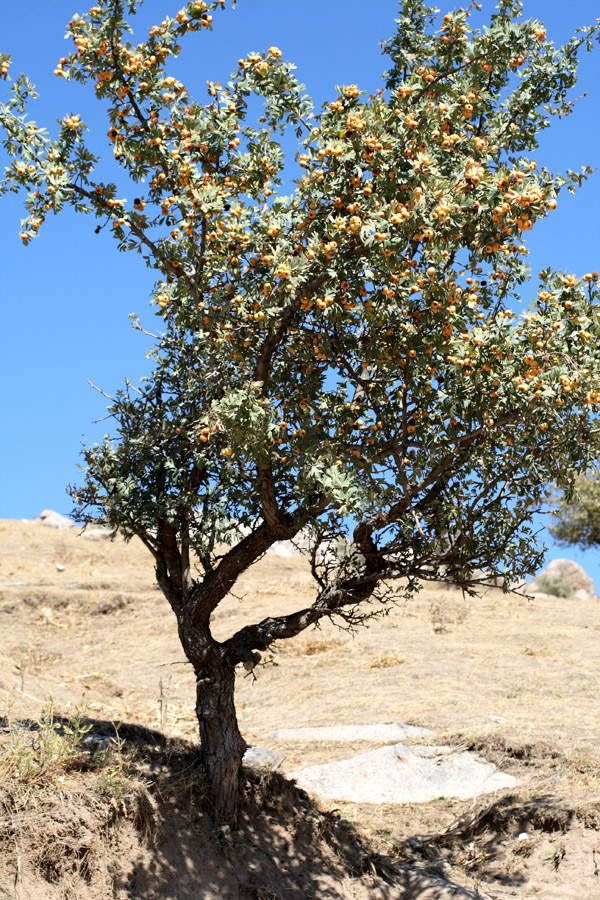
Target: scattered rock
498	720
54	520
394	774
258	760
98	532
564	571
393	733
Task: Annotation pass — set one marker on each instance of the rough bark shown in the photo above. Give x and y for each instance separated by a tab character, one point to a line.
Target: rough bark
222	745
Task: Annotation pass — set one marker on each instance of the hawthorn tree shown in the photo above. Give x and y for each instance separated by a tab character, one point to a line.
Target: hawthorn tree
344	362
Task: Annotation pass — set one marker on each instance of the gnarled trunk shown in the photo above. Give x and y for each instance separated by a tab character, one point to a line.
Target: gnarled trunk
222	745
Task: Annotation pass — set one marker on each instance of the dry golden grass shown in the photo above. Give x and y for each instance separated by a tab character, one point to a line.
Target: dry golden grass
383	661
99	634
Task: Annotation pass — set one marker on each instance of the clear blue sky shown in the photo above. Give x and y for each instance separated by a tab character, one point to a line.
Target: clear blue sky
67	296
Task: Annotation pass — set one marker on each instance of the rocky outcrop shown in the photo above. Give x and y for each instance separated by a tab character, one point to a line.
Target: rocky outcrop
54	520
563	578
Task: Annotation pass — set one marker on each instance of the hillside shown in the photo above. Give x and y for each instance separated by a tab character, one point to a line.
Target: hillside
83	624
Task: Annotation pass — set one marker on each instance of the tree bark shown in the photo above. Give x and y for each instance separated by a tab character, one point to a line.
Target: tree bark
222	745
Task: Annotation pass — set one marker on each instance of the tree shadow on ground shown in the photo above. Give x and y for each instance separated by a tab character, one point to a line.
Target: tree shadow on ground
160	844
493	842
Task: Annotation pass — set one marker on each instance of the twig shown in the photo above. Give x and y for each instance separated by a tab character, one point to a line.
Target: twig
417	523
163	700
100	391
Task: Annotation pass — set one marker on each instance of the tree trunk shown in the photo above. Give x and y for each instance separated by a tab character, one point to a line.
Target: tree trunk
222	744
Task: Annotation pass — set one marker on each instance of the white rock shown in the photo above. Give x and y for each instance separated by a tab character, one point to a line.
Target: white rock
98	532
258	760
284	550
54	520
60	568
388	776
571	572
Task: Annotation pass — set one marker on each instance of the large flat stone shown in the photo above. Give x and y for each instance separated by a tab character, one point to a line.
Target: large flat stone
393	733
394	774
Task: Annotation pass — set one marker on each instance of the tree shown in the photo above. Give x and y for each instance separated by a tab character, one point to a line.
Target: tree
341	364
576	513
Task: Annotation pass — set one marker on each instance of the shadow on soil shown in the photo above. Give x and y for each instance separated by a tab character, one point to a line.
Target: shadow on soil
127	820
152	839
493	842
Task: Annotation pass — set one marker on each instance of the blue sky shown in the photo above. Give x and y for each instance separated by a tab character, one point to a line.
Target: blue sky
67	296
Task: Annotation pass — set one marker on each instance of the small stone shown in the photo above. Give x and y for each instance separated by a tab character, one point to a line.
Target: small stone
98	742
496	719
259	761
523	836
98	532
60	568
401	751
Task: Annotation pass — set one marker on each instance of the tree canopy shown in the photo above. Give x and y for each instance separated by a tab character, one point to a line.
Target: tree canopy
344	362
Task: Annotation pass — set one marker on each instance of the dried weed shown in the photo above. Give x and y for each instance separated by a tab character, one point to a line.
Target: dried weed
383	660
310	647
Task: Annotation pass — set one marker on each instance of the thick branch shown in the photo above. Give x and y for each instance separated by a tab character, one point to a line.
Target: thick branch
272	341
265	633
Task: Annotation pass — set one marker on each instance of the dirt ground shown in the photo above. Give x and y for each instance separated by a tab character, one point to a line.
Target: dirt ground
82	623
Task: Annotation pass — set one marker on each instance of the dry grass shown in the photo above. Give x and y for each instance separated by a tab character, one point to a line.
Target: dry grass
441	661
383	661
309	646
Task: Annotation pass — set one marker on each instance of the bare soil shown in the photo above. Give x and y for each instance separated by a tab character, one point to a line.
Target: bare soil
82	623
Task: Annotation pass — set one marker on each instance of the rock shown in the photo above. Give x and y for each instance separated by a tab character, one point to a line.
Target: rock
398	731
568	571
60	568
98	532
394	774
97	743
496	719
302	545
258	760
54	520
284	549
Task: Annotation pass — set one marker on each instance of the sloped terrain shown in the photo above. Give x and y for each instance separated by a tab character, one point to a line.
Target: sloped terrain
83	624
